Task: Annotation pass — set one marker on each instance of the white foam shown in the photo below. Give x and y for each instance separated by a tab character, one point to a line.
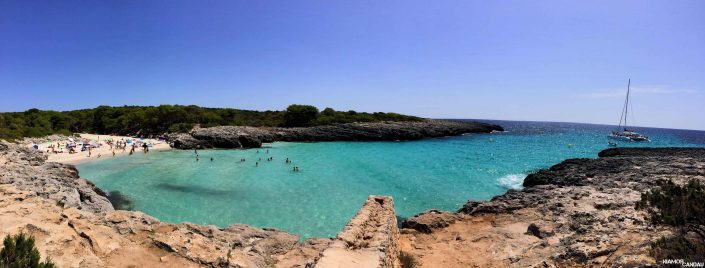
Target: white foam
512	181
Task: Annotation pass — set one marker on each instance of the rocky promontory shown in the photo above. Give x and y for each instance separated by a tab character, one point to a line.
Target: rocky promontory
253	137
580	212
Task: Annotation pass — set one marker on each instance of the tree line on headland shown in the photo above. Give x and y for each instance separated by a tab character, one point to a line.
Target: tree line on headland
152	120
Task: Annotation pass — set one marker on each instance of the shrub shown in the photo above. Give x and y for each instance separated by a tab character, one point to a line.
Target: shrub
407	260
677	247
682	207
19	252
180	127
300	115
675	205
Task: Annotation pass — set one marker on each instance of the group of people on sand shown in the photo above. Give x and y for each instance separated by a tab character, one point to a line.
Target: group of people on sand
269	159
93	146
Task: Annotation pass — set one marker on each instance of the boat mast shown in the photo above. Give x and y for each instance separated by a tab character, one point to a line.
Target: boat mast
622	116
626	105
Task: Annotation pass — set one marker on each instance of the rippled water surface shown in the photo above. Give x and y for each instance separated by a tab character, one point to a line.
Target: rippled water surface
336	177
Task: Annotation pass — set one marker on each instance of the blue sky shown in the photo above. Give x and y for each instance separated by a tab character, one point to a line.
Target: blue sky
516	60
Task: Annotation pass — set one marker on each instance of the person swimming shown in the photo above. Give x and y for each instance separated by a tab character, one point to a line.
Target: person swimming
256	164
211	159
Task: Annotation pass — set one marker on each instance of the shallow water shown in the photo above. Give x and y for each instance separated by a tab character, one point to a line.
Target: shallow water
336	177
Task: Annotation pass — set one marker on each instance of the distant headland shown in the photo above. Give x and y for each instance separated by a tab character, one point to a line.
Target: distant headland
199	127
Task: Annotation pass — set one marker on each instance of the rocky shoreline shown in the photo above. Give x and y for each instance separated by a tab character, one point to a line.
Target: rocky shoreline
580	212
76	225
253	137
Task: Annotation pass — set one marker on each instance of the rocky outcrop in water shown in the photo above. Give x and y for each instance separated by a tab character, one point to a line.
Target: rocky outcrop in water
580	212
253	137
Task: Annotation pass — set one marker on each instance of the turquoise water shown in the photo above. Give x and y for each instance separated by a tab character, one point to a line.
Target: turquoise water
336	177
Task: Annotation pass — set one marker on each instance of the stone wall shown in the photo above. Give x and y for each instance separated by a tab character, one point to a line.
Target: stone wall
368	240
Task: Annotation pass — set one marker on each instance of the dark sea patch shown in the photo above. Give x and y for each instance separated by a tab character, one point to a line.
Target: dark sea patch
120	201
193	189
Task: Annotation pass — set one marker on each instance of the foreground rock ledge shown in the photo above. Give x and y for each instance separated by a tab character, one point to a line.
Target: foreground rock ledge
579	212
253	137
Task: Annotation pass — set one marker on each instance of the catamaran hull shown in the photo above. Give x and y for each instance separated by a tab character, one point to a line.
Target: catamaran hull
630	139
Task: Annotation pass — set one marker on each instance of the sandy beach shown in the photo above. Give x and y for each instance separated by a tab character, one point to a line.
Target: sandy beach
102	152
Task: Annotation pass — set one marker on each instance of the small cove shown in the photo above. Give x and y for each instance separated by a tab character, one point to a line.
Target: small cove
336	177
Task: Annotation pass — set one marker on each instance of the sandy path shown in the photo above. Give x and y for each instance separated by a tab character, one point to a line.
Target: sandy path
103	151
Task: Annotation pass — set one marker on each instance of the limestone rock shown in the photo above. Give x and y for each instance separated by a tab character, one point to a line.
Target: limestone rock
429	220
253	137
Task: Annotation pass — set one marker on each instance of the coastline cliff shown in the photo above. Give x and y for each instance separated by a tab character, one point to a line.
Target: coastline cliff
253	137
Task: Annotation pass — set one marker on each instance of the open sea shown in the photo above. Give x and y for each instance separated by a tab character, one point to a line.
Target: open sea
335	178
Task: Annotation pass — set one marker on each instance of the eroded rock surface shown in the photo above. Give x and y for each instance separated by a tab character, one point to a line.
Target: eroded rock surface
252	137
579	212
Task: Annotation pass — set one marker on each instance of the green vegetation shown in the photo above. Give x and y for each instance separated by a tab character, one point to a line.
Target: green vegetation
682	207
19	252
154	120
407	260
300	115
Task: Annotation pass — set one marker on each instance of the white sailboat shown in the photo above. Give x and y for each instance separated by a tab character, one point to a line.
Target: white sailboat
622	132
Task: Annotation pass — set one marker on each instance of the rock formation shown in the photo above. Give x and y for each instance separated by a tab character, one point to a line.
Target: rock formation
253	137
580	212
368	240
